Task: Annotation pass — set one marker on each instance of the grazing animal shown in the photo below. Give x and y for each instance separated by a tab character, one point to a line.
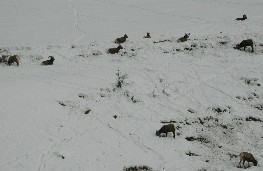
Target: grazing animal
242	19
12	59
165	129
48	62
121	39
148	35
245	156
184	38
244	44
115	50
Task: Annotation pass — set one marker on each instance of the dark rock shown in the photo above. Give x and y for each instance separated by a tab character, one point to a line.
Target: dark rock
87	112
62	104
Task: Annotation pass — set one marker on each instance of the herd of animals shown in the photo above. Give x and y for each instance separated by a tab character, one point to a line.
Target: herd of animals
165	129
243	44
244	156
120	40
15	59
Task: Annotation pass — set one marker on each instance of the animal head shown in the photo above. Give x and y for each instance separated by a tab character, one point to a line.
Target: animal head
51	58
244	16
238	46
125	35
186	35
255	163
120	47
157	133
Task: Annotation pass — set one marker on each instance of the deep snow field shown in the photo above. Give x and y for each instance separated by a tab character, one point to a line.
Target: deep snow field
71	116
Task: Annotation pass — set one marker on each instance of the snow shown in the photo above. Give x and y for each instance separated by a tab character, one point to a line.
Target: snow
71	116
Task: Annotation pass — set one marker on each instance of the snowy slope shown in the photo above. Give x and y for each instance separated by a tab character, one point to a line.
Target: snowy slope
71	116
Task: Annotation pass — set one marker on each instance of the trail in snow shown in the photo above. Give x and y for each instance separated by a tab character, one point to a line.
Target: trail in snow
77	22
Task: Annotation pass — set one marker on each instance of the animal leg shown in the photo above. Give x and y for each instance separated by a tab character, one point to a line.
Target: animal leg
240	162
252	49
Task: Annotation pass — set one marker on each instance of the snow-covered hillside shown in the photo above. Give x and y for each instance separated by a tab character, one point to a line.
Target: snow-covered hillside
72	116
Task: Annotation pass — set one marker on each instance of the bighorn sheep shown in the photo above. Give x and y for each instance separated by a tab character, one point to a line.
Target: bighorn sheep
48	62
121	39
245	43
241	19
115	50
165	129
245	156
183	39
148	35
12	59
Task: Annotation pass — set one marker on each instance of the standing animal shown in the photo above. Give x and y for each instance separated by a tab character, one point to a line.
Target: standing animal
121	39
165	129
245	156
148	35
115	50
48	62
241	19
12	59
184	38
245	43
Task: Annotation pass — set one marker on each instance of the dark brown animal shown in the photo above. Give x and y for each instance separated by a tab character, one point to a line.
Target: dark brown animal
48	62
115	50
184	38
121	39
165	129
12	59
148	35
245	43
242	19
245	156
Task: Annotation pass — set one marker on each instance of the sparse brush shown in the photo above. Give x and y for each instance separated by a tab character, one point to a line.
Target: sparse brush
137	168
120	80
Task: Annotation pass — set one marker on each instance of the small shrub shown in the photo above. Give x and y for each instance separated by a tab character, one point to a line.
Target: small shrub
137	168
259	106
62	104
250	118
120	79
87	111
200	139
191	154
